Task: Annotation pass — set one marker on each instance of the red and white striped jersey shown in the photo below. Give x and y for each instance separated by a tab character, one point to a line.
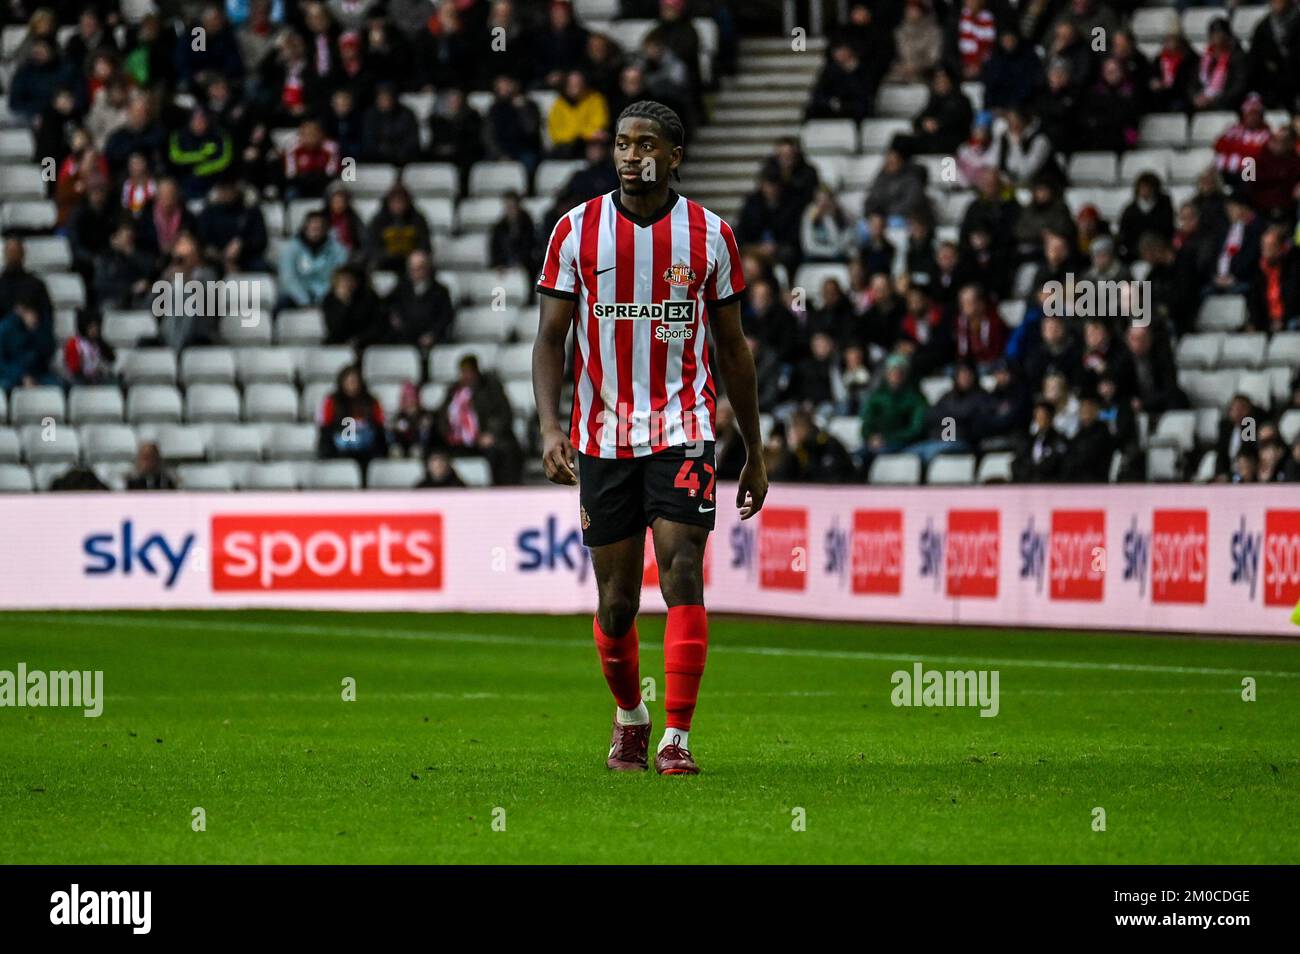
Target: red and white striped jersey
643	289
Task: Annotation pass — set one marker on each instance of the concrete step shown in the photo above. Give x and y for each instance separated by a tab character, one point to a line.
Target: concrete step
773	96
707	167
736	185
725	115
731	151
779	44
761	132
804	64
784	79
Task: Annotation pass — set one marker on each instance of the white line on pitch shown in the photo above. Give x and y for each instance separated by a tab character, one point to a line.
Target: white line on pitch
489	639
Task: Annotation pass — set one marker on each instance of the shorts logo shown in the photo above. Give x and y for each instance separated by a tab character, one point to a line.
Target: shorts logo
679	273
584	517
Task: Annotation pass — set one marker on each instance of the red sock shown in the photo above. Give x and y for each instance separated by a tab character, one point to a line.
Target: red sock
620	661
686	643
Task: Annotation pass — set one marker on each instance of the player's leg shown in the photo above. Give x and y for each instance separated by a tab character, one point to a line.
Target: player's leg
613	527
681	508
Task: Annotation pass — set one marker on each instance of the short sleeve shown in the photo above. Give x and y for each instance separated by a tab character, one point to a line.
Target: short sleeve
559	269
727	282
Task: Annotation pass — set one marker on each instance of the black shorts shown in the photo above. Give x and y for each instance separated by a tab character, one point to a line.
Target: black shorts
621	496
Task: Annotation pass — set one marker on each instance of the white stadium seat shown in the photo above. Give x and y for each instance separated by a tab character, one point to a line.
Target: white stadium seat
35	405
15	479
895	469
995	468
211	403
951	469
334	475
390	363
109	443
205	477
829	136
393	474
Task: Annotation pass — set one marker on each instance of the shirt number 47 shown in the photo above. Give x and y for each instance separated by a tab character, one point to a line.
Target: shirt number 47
688	480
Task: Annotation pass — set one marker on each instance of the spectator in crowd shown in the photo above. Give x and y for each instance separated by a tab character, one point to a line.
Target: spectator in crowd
899	189
513	127
597	177
826	233
667	79
1274	297
54	126
945	121
219	52
1221	74
1073	49
1112	109
17	283
1008	411
603	64
1151	384
1013	74
199	154
149	473
577	114
390	131
1151	211
82	164
351	421
814	455
1058	108
797	175
1088	456
979	330
1238	254
163	221
438	472
345	124
769	220
918	41
90	225
140	186
1276	190
476	418
561	46
513	240
1041	456
411	428
893	416
1024	151
184	329
1174	73
1056	352
352	312
26	346
141	133
42	73
1274	57
397	230
816	376
232	231
123	271
1238	150
344	222
308	261
972	36
978	153
1045	217
310	162
954	421
456	133
844	88
420	309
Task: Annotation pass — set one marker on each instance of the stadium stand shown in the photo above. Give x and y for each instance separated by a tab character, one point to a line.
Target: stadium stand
904	187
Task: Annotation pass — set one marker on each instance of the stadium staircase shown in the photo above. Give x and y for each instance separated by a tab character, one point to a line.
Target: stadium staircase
763	102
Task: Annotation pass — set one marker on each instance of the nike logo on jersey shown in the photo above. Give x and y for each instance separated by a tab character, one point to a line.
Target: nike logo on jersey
602	271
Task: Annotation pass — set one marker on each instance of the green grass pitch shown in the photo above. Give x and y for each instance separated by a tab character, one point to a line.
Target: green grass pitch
456	716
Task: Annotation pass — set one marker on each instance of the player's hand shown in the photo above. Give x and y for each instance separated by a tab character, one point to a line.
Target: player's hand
752	490
558	457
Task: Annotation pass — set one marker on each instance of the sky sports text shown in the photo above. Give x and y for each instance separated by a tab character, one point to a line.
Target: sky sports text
100	908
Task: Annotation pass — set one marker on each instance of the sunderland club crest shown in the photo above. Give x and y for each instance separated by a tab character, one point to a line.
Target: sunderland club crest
679	273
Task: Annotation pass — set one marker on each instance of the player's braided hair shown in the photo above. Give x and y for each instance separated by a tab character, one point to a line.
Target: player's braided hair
667	119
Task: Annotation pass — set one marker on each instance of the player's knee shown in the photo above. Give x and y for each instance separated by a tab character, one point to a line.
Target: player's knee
681	577
616	613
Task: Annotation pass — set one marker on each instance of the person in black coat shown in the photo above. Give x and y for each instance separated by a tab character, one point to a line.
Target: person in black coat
1087	459
844	88
945	122
1042	451
1013	74
353	313
1274	56
420	309
232	232
1151	210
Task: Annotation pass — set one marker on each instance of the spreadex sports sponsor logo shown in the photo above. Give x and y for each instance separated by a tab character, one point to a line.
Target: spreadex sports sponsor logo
1281	557
357	551
777	550
553	546
1078	555
967	554
129	550
1179	556
677	317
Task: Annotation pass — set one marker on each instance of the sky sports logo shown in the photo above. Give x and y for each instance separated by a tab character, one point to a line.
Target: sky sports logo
1278	548
281	552
1071	556
967	554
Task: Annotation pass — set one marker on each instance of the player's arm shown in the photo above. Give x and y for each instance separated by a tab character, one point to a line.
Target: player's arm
548	379
736	366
